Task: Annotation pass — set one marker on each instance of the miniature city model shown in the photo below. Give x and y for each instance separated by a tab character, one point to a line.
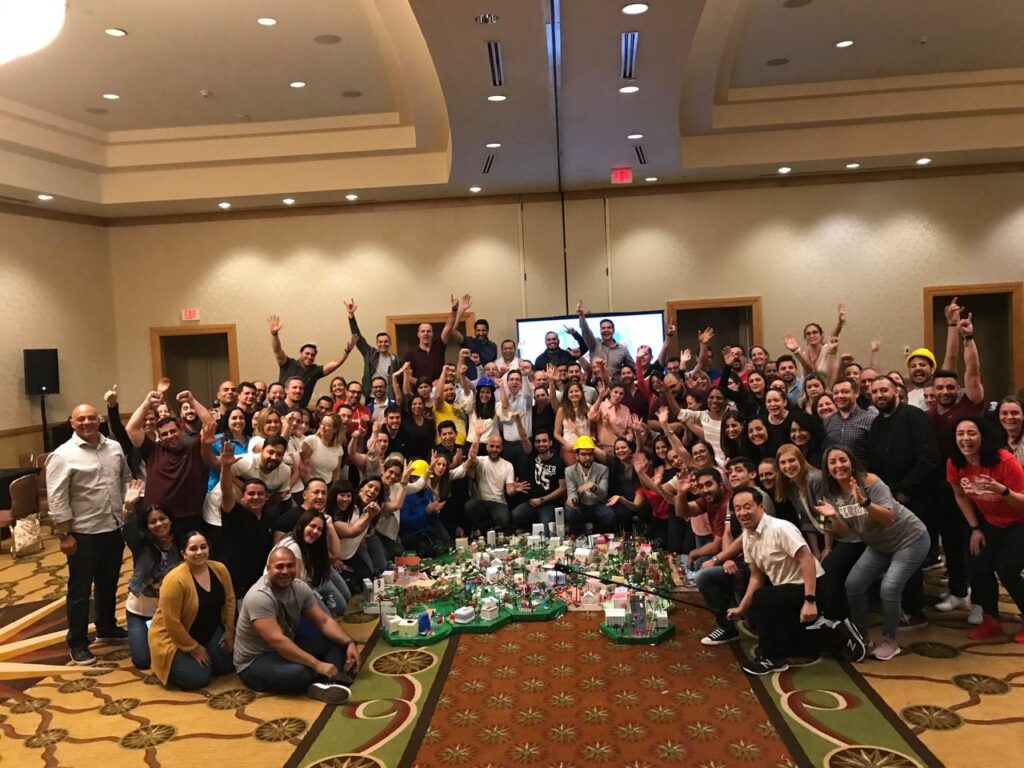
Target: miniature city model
483	586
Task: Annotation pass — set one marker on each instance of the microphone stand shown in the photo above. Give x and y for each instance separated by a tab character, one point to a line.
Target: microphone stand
563	568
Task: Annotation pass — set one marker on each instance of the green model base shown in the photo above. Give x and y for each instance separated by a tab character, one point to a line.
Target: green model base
477	626
622	636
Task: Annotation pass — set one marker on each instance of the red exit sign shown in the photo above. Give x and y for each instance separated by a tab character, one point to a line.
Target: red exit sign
189	314
622	175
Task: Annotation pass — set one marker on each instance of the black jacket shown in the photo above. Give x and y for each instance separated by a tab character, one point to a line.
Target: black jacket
903	451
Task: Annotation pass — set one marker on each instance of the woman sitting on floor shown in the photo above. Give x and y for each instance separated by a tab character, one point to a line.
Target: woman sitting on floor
193	630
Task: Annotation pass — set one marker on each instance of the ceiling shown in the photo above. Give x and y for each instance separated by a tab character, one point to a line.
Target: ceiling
395	100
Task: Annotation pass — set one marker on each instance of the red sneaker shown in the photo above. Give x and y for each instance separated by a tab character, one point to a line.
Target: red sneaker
989	628
1019	637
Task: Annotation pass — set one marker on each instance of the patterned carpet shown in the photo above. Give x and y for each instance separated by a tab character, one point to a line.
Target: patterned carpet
549	694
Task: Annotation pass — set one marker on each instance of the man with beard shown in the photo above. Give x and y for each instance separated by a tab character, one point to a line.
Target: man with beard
786	366
574	375
903	452
247	525
275	394
481	349
190	424
952	405
271	657
261	393
247	398
586	488
175	471
495	480
294	396
706	514
378	362
446	409
632	397
553	353
305	367
547	488
267	467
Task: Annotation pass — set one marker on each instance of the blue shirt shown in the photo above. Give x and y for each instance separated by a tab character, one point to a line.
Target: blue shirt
487	350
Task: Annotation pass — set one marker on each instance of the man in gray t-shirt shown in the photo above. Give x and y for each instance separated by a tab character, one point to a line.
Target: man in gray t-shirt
271	655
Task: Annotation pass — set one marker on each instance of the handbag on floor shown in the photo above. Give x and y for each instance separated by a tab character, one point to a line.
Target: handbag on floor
27	539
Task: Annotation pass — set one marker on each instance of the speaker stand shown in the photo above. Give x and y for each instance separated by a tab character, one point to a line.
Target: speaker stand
46	429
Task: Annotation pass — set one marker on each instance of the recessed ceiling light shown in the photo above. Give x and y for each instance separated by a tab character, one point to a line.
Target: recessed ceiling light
266	21
852	166
844	43
496	97
923	160
288	201
44	198
351	198
111	96
629	89
115	32
651	178
297	84
634	9
635	136
785	169
224	206
474	190
493	145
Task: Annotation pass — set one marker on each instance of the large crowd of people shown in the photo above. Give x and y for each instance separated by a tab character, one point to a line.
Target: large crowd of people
795	489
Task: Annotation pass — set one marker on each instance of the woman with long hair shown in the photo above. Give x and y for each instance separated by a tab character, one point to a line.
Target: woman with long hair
756	443
352	525
417	429
268	423
234	436
823	406
895	542
339	390
151	541
571	420
321	452
732	434
988	483
801	485
381	549
1011	416
814	385
479	405
315	544
394	485
779	417
192	633
807	433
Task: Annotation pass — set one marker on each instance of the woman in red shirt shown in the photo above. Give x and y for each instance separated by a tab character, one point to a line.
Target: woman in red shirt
988	483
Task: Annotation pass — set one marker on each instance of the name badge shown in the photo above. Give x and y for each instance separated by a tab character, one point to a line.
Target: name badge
848	511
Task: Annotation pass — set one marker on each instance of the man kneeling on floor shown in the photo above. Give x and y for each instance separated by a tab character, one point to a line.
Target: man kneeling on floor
784	590
275	653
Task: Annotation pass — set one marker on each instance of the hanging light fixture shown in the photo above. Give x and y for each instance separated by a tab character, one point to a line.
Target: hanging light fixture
26	26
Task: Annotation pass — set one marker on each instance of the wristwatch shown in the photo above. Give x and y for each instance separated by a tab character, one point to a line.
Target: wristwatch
714	559
866	503
61	535
810	599
1006	492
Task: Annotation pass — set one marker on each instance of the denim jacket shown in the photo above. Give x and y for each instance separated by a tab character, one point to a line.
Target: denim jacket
149	568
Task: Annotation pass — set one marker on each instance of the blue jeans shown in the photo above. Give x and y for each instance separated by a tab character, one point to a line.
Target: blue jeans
188	674
272	673
718	589
524	516
335	593
895	570
138	640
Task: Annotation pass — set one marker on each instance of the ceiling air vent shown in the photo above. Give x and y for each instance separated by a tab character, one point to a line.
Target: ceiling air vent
488	163
641	156
494	59
630	41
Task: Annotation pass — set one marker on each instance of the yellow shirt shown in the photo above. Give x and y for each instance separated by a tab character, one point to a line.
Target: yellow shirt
450	412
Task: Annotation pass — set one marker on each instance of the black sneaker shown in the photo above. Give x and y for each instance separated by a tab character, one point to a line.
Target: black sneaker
112	635
82	657
721	636
329	692
854	647
762	666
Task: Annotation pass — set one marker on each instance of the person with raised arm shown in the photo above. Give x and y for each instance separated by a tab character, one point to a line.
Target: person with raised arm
426	359
176	471
304	367
378	361
608	349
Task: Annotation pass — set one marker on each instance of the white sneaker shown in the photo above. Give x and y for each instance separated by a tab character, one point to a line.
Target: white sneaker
952	603
976	615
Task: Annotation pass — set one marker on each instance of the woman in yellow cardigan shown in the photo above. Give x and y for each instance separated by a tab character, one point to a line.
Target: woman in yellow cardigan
193	630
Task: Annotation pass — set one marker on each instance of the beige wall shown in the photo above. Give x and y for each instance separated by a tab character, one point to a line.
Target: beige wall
804	248
56	293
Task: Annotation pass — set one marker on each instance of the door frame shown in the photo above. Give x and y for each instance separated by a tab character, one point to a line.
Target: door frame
393	321
157	355
1016	291
754	302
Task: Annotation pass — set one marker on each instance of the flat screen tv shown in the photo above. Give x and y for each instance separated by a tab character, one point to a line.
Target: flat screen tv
631	329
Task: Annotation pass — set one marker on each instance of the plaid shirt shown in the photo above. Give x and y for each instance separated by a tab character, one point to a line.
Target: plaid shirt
851	432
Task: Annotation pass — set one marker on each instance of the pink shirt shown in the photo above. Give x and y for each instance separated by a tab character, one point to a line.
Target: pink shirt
617	416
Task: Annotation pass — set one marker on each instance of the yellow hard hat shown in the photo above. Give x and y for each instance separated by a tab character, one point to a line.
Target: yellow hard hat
583	443
922	352
419	468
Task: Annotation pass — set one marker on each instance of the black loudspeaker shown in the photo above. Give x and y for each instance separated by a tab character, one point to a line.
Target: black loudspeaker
41	374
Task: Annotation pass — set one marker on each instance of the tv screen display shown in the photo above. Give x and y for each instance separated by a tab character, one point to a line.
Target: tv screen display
632	329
